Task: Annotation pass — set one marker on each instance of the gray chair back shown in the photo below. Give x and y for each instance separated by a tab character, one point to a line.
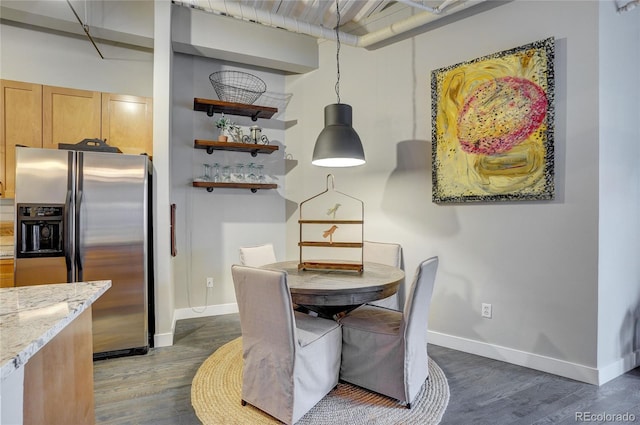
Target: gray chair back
290	360
389	254
415	323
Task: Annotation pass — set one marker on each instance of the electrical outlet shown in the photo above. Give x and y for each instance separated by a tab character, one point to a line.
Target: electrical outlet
209	282
486	310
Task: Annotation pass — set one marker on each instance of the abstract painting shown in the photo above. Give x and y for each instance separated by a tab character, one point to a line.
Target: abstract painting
492	127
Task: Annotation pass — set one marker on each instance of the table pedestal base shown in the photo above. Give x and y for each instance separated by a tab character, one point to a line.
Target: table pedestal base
327	311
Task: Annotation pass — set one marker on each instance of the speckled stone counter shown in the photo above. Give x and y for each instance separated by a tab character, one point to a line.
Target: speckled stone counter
30	316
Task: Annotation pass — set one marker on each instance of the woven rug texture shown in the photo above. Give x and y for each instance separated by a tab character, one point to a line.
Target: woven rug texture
216	395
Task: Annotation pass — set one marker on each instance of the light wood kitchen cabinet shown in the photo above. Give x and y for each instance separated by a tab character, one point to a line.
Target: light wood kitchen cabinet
6	272
127	123
43	116
20	124
69	116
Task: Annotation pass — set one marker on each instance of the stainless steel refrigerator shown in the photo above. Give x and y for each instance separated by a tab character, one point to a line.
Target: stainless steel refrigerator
83	216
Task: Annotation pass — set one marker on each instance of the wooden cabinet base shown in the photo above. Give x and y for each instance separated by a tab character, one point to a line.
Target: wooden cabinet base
58	379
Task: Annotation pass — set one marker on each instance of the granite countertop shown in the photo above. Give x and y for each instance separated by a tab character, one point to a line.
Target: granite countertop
30	316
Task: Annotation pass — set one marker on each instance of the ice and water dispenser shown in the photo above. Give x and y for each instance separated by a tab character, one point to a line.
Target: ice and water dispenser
40	230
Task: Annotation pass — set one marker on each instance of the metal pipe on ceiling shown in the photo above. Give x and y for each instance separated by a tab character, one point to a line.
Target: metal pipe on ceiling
411	23
436	10
238	11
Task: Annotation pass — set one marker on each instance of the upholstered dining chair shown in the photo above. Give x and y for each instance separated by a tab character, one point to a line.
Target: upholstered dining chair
389	254
386	351
291	359
256	256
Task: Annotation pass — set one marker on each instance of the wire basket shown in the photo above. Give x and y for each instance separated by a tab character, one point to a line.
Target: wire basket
275	100
237	86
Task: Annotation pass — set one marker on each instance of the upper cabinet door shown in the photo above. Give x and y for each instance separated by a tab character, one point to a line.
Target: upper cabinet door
20	124
69	116
127	123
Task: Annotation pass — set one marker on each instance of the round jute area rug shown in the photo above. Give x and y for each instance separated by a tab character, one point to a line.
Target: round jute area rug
216	394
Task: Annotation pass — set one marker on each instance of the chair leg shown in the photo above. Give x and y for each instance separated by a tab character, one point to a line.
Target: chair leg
408	405
244	403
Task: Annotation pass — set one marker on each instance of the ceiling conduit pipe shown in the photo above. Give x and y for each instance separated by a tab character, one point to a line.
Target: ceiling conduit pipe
410	23
236	10
437	10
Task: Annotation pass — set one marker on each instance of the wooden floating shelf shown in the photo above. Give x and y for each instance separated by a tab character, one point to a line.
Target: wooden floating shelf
212	145
319	265
331	221
212	106
252	186
331	244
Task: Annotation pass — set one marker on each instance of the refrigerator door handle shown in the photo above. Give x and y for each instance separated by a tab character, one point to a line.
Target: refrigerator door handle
78	242
67	236
79	193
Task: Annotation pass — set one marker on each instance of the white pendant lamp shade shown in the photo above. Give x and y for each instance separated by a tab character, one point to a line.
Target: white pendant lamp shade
338	144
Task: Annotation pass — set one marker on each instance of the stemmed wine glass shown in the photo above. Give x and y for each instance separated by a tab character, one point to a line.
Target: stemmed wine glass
206	177
251	176
238	173
216	173
260	173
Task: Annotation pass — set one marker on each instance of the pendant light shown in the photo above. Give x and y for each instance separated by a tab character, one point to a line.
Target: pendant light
338	144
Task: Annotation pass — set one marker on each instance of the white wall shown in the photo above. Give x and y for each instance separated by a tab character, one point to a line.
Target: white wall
619	268
120	21
58	60
536	262
211	227
164	287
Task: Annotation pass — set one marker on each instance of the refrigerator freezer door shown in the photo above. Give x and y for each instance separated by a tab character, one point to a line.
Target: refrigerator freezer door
112	244
45	176
40	271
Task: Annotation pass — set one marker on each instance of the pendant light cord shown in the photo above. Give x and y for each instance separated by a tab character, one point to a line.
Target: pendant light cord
338	52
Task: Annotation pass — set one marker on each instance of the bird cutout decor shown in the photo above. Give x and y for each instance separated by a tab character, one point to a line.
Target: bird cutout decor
332	211
329	232
321	248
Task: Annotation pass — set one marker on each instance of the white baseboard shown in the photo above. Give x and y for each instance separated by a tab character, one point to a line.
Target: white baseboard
570	370
210	310
166	339
163	340
617	368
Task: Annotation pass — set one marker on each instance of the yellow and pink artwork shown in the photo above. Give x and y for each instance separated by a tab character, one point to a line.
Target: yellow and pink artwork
492	127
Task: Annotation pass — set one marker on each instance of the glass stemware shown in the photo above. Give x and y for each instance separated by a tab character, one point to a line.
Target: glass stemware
238	173
251	176
260	173
216	173
206	177
226	174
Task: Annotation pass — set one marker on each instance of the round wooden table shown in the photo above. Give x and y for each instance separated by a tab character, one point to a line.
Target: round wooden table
332	291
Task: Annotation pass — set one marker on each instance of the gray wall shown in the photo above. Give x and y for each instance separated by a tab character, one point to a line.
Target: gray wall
536	262
213	226
619	190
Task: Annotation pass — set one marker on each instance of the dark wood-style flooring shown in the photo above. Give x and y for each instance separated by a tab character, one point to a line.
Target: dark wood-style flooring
156	388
